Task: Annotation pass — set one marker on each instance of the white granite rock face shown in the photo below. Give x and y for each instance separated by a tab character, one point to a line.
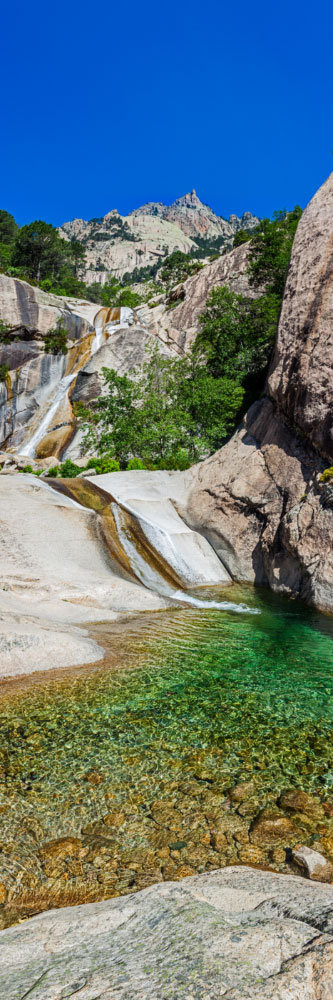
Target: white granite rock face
301	379
234	933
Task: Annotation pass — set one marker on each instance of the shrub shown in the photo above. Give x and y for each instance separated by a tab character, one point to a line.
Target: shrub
4	372
103	465
4	333
326	475
67	470
52	472
135	463
55	341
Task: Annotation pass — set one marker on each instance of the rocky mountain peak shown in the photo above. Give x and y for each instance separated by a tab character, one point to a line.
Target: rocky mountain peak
119	244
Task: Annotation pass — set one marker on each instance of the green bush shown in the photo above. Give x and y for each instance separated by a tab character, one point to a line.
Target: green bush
4	372
67	470
52	472
103	465
55	341
4	333
135	463
326	475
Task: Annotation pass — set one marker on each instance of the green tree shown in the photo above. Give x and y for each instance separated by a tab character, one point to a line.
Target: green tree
55	341
40	251
169	415
177	267
78	256
243	236
271	246
8	228
237	333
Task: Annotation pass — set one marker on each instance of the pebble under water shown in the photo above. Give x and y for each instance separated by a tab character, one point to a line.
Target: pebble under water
173	757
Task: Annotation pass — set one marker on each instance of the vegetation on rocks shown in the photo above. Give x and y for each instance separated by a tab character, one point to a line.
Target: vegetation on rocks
327	475
55	341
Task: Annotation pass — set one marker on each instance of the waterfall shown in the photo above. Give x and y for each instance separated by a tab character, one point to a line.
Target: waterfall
29	447
166	558
154	541
106	320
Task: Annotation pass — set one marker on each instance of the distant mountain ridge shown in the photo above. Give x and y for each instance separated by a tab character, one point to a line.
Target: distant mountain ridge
116	244
195	218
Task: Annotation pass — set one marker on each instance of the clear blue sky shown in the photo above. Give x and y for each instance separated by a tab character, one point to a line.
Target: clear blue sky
110	105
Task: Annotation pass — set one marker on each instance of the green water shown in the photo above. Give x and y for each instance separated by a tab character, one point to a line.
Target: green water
240	694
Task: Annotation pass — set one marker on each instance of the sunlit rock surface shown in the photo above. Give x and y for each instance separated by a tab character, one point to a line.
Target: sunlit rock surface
92	552
301	380
148	234
56	570
235	933
148	504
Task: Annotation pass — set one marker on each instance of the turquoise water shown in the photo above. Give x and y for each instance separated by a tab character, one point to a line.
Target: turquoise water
259	688
188	703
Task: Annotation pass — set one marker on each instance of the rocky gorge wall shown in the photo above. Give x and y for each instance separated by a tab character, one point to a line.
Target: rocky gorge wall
259	500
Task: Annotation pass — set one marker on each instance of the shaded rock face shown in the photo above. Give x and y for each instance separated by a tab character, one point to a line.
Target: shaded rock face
236	933
258	502
301	380
259	499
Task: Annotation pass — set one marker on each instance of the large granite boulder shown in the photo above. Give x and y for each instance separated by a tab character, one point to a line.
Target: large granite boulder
28	310
234	933
301	379
259	499
58	571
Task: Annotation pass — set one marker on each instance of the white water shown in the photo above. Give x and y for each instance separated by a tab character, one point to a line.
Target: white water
152	579
181	595
99	331
29	447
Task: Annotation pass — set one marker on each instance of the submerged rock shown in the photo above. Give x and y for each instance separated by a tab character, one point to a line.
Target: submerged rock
313	864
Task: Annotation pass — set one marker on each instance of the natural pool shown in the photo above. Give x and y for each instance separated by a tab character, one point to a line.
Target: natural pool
172	757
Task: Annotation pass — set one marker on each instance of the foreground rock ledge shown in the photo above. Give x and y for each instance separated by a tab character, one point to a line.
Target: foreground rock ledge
236	933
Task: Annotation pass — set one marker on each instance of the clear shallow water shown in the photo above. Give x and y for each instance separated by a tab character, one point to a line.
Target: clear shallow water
202	700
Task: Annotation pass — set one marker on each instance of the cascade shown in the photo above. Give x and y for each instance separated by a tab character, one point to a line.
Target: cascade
164	556
29	447
148	561
59	389
105	322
